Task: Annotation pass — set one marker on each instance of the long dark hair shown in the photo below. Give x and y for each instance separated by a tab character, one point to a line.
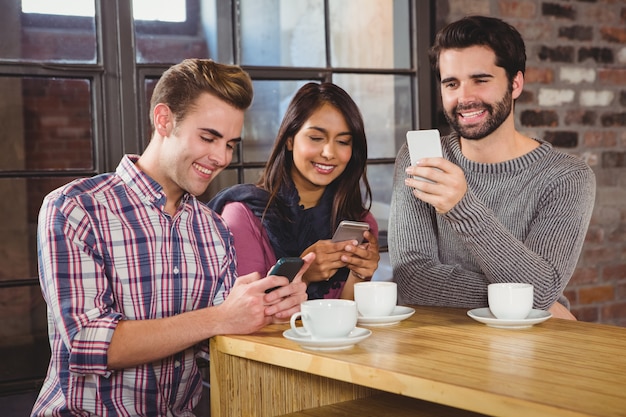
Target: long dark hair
347	202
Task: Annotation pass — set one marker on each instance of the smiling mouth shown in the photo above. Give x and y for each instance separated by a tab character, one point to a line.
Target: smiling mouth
469	115
202	169
324	168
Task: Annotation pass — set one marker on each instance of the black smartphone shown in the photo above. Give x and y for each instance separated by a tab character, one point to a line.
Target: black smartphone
350	230
286	267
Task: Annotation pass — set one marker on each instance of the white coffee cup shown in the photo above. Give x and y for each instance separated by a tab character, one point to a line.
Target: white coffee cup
510	301
325	318
375	298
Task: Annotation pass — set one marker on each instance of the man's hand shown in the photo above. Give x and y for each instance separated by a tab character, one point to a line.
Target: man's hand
285	301
559	311
448	184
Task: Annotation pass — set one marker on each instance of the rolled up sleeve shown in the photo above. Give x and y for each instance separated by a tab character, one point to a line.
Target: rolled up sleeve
75	286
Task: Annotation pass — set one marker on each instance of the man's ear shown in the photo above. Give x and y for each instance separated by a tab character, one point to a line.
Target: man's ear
518	85
163	119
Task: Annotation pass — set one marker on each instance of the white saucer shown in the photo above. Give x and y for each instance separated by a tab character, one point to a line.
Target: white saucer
398	314
355	336
484	315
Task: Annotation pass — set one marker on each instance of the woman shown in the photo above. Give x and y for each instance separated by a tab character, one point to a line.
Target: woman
311	182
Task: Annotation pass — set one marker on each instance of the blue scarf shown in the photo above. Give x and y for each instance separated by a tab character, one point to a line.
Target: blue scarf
290	228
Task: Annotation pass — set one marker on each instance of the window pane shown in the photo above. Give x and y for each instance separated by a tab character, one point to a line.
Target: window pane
375	35
380	178
24	348
251	176
51	31
47	124
149	84
64	7
386	104
263	118
18	224
170	40
283	33
160	10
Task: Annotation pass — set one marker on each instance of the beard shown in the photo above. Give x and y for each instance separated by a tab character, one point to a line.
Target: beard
498	113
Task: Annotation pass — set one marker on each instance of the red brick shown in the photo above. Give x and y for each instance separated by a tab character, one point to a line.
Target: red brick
583	276
603	139
535	118
571	294
559	11
614	272
620	290
581	117
594	235
589	314
604	178
613	311
618	235
593	256
518	9
539	75
535	30
467	7
608	76
596	294
613	34
600	13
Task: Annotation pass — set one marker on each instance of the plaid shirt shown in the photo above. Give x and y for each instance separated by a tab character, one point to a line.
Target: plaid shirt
108	252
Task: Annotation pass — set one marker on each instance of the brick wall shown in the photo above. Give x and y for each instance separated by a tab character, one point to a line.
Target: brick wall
575	97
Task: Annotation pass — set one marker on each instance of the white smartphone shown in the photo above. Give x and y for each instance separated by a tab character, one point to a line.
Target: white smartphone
350	230
423	144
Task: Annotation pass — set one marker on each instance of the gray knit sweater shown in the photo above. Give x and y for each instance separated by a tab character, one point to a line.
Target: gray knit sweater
522	220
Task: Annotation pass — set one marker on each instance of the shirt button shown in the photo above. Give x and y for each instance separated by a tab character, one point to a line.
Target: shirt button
176	270
176	364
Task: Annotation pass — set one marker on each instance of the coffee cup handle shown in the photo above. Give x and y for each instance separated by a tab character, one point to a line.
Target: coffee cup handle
299	330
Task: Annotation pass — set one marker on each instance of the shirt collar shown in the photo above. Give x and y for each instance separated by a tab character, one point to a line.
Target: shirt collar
150	191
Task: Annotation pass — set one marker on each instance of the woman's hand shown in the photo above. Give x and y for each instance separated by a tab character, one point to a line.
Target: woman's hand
362	260
327	260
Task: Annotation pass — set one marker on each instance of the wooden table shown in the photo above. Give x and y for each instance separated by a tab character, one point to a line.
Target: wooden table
440	355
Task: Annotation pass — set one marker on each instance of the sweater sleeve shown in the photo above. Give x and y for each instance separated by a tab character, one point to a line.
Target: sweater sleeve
252	245
414	252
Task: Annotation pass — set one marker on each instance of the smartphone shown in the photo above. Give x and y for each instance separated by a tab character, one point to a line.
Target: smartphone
286	267
350	230
423	144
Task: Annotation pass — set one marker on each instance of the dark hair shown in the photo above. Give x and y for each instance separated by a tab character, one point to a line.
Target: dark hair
505	41
183	83
348	202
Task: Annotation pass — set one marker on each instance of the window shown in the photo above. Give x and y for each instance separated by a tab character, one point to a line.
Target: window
76	82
